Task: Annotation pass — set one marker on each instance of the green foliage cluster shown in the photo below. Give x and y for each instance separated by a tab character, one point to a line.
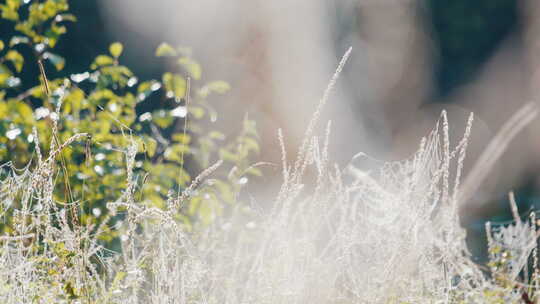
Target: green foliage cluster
102	102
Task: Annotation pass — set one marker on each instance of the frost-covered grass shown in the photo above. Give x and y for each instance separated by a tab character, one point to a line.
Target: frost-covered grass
335	235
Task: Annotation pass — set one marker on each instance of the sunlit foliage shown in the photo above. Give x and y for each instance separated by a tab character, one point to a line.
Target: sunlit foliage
102	102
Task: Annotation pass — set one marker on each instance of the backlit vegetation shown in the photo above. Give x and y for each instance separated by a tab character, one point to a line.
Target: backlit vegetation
98	207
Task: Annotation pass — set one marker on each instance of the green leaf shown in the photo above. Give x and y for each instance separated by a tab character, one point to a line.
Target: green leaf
3	79
70	291
194	205
58	61
182	138
102	60
16	58
175	152
162	119
174	84
216	135
146	88
74	100
227	155
13	4
5	70
53	34
1	45
27	29
250	127
102	95
24	111
150	145
165	49
116	49
191	66
50	9
9	11
117	74
250	144
219	87
225	191
18	40
254	171
197	112
120	276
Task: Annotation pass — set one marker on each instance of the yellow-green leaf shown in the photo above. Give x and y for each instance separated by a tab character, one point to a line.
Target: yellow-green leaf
227	156
254	171
9	11
70	291
24	111
116	49
219	87
150	146
13	4
5	70
250	144
3	110
216	135
191	66
1	45
102	60
3	79
165	49
16	58
58	61
18	40
75	100
174	84
162	118
182	138
197	112
175	152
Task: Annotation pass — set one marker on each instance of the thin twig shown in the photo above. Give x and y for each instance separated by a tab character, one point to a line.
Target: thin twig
495	149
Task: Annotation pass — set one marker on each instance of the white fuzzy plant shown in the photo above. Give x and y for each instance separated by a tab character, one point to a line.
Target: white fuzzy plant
336	235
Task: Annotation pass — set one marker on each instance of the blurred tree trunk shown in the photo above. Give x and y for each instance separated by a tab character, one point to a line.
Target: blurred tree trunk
399	57
531	21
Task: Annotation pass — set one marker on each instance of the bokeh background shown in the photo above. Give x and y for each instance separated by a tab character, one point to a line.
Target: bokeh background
410	60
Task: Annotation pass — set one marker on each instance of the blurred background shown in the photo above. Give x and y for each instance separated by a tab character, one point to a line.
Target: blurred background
410	60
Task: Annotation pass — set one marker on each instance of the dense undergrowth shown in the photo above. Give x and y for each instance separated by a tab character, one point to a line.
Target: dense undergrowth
136	234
